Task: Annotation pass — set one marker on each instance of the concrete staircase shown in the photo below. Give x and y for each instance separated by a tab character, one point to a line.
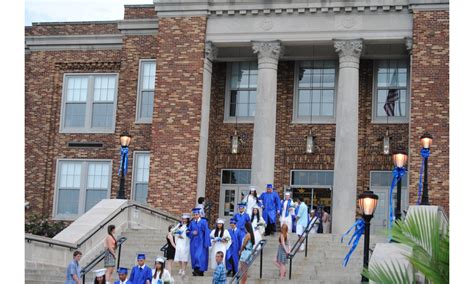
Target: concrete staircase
323	264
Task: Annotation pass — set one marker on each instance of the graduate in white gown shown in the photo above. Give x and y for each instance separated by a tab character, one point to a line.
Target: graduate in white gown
258	224
251	200
220	241
182	244
287	210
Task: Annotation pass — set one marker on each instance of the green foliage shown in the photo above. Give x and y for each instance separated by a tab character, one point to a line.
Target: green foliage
423	232
40	225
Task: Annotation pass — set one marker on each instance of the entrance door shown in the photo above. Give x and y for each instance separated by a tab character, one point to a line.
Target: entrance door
230	196
380	220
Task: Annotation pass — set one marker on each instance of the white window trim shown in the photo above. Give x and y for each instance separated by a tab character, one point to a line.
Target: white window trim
315	119
82	193
227	117
307	185
391	119
232	184
87	128
134	172
139	120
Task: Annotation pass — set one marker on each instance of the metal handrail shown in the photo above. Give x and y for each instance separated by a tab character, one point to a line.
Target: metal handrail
78	245
99	258
164	249
294	250
255	252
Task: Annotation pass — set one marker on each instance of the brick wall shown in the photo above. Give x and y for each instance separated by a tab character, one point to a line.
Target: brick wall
55	29
139	12
43	142
430	102
177	113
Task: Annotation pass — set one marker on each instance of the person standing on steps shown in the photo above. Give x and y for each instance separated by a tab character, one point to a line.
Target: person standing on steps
242	217
141	273
326	220
258	224
219	272
171	251
99	276
182	244
110	245
122	275
251	200
283	251
287	210
246	250
200	205
199	244
73	271
221	241
232	255
161	275
301	219
271	208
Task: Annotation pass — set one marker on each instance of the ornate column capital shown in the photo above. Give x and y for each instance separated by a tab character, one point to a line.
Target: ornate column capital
268	52
349	52
210	50
409	44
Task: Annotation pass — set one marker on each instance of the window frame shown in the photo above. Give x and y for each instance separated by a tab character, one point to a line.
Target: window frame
89	105
227	117
309	185
134	172
82	189
392	119
234	184
314	119
138	119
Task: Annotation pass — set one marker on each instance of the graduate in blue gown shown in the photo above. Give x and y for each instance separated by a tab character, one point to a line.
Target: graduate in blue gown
122	273
141	273
271	207
242	217
200	243
232	254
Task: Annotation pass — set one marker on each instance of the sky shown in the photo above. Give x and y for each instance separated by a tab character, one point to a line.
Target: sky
76	10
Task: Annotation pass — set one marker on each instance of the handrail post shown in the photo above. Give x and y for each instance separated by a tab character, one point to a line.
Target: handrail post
118	260
84	278
306	246
291	265
261	260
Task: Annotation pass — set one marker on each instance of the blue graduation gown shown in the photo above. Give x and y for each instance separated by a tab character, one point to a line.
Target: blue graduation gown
241	220
233	251
272	204
199	245
140	277
127	282
287	211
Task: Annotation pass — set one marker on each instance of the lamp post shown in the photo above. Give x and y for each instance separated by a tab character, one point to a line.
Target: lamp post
125	139
367	204
400	158
426	140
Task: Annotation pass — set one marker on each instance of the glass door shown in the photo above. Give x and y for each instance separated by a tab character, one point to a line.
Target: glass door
228	202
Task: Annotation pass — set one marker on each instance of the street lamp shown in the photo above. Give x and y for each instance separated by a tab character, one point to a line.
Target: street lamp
125	140
426	140
367	204
400	158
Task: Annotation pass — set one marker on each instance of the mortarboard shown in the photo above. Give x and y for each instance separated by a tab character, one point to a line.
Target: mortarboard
100	272
141	256
122	270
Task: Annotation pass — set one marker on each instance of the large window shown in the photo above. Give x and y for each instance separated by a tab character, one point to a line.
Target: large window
80	184
391	95
242	92
236	176
141	173
315	98
146	91
89	103
311	178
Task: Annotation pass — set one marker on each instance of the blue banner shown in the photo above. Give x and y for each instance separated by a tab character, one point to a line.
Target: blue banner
425	153
397	173
124	160
359	227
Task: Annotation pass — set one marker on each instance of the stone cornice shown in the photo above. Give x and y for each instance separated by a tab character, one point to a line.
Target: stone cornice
138	26
73	42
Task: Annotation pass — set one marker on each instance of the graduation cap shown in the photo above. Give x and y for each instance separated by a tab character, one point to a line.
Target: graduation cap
288	193
252	188
242	205
196	210
233	221
269	185
186	216
141	256
100	272
160	259
122	270
256	207
220	221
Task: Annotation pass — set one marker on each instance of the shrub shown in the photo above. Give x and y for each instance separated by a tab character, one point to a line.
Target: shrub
40	225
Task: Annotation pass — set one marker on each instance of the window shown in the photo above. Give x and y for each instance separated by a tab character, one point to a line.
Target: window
391	75
315	90
384	179
242	92
80	184
89	103
141	172
236	176
305	178
146	91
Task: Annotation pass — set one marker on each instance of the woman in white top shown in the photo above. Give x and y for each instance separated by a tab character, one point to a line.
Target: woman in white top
160	275
182	244
326	221
220	241
258	224
251	200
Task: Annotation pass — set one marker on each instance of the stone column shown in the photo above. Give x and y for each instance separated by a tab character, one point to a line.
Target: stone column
347	119
263	150
211	54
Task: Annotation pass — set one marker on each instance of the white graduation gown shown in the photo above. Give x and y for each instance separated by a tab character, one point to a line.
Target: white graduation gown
182	245
258	230
251	202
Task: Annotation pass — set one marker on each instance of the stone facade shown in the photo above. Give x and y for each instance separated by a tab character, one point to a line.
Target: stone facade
430	103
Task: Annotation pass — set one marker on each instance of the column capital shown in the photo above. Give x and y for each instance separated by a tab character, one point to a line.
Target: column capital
349	52
210	50
267	51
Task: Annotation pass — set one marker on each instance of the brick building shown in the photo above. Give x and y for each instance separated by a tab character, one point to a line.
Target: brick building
184	77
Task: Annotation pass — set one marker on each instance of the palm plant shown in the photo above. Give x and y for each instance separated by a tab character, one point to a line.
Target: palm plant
424	232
